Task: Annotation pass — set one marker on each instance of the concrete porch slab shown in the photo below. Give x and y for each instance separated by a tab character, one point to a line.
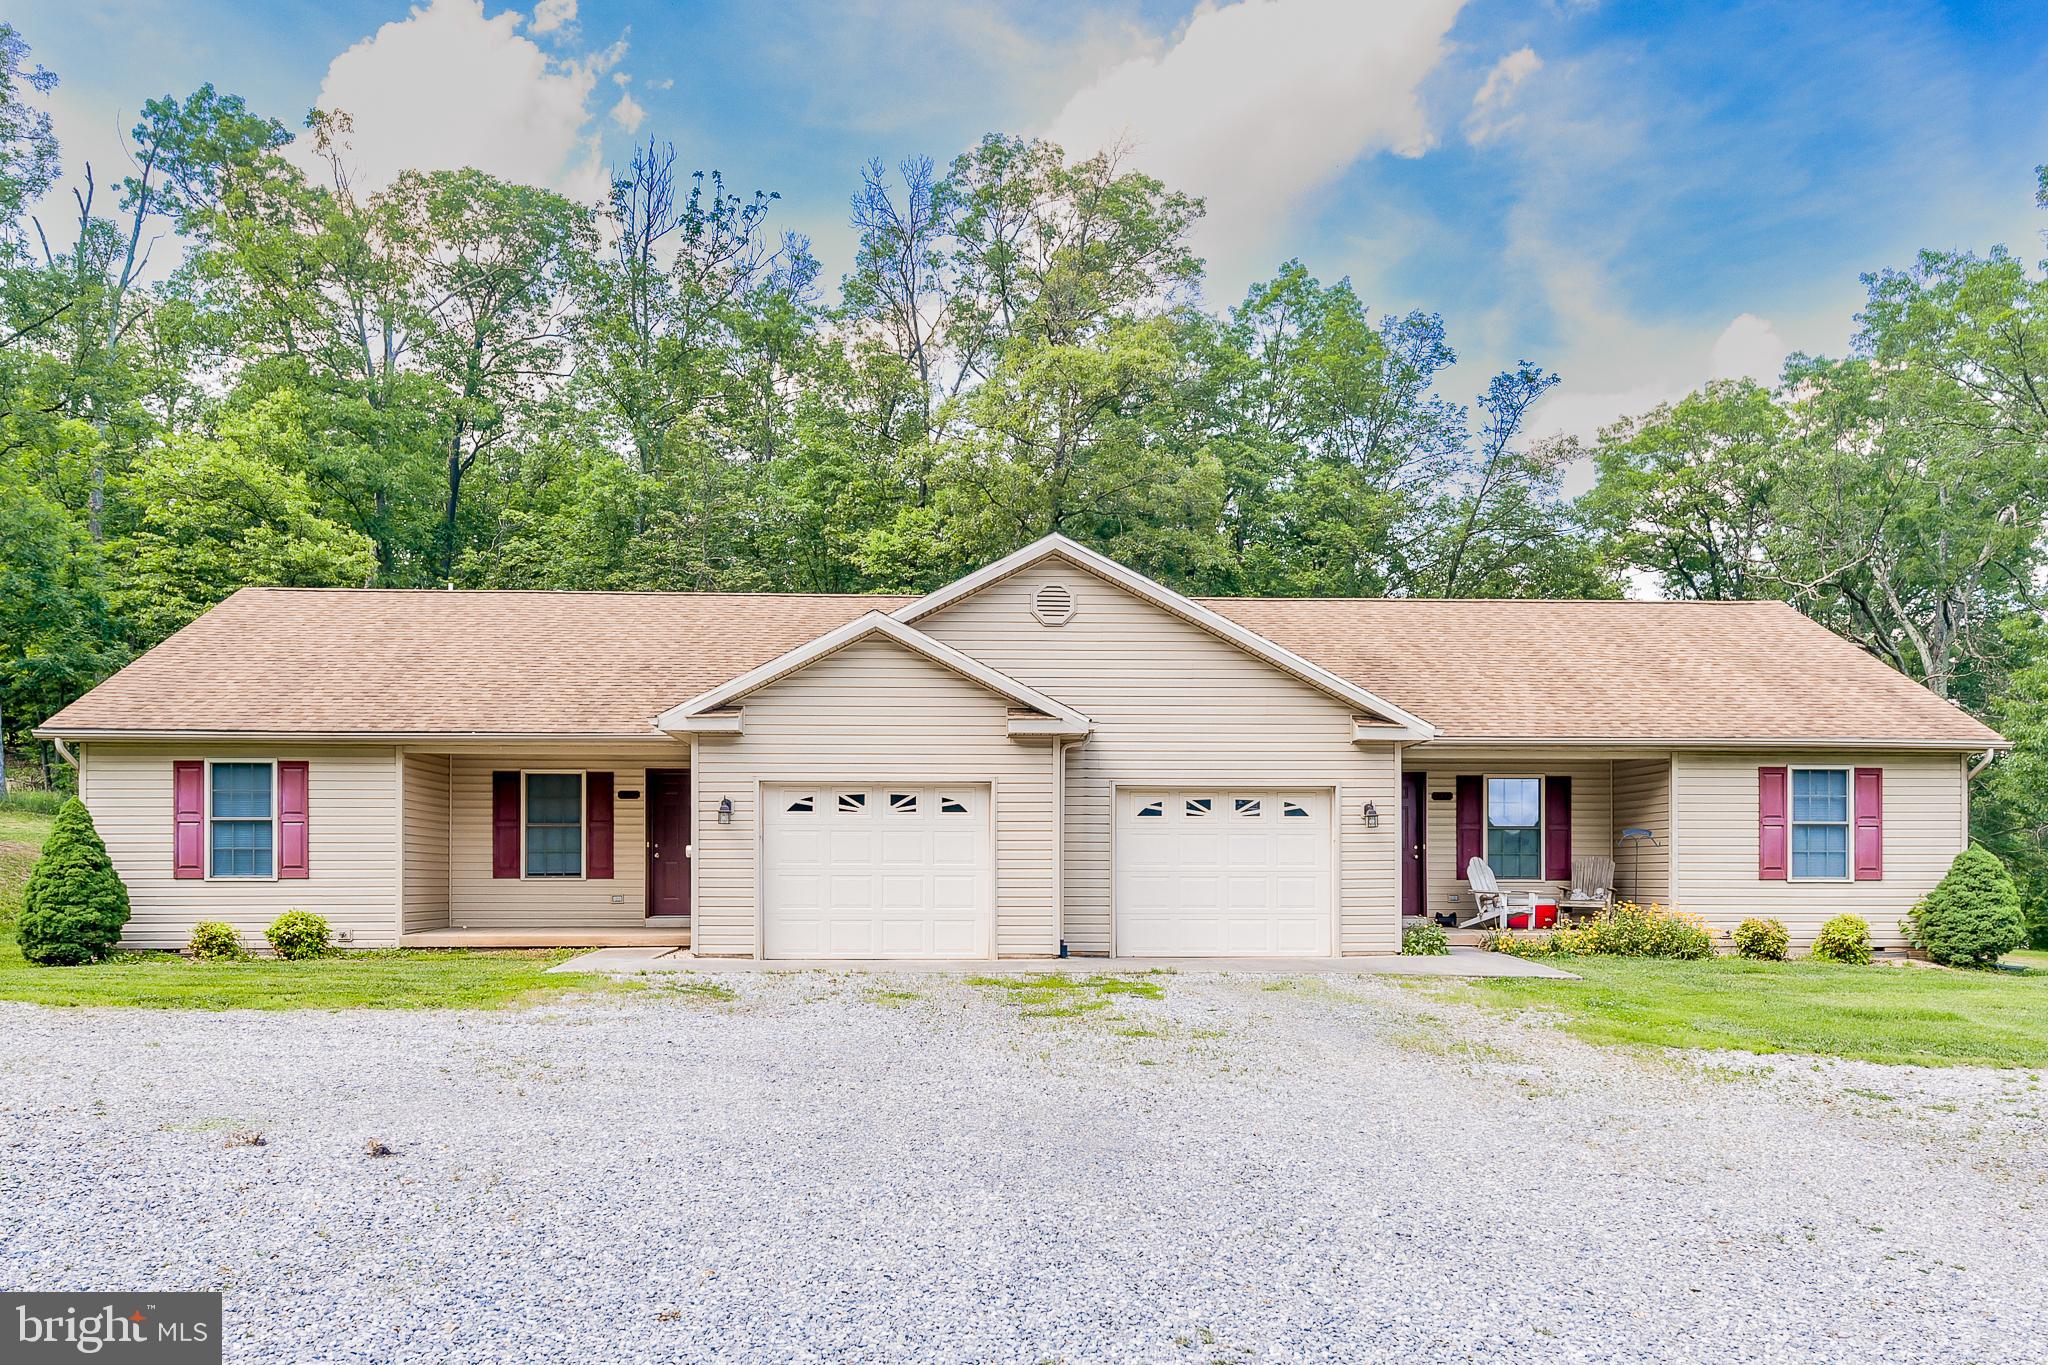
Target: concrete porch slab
1461	962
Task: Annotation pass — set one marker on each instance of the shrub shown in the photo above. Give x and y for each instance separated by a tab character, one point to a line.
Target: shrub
1625	930
216	942
1424	940
1767	939
298	934
1972	916
1501	941
1845	938
75	904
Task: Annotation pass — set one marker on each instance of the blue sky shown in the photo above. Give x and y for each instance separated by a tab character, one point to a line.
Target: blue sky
1639	196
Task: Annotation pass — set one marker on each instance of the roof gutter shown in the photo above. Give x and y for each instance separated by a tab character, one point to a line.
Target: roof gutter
353	736
1775	742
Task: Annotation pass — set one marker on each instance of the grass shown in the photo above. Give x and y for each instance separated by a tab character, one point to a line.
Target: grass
393	978
2031	959
1051	995
1902	1015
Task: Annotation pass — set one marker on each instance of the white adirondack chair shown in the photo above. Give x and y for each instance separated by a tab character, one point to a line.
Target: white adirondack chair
1592	888
1490	903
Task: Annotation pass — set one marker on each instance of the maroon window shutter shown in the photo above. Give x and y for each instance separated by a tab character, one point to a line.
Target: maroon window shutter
597	825
291	818
1771	836
504	824
1869	824
188	819
1471	825
1557	829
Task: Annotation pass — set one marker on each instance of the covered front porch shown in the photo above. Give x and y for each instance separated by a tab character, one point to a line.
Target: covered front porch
1530	814
545	846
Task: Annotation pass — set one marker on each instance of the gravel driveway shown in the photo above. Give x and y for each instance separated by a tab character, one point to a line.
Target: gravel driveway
837	1167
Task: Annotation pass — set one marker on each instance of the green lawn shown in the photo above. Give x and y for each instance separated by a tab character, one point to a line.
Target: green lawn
387	979
1903	1015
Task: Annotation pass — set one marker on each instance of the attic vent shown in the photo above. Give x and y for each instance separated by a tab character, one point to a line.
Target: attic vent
1053	605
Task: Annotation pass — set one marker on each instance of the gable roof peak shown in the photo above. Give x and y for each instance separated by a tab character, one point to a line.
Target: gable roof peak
1055	545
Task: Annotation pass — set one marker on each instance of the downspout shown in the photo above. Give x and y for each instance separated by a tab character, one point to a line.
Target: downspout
1059	844
64	750
1983	761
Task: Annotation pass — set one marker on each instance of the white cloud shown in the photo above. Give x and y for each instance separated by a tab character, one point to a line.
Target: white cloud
1748	348
1490	115
1259	104
628	113
447	87
551	15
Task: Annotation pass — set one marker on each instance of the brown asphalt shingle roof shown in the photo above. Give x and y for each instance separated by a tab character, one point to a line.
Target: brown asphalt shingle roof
1664	671
602	665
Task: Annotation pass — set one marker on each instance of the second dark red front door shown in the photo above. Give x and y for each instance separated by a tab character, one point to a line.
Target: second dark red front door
668	841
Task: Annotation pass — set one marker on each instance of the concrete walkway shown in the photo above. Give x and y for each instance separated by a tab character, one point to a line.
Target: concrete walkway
1466	962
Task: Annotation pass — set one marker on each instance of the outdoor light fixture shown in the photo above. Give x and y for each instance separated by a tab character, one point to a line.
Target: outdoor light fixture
1372	816
725	810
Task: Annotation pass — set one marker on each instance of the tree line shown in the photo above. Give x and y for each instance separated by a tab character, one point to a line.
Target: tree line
453	379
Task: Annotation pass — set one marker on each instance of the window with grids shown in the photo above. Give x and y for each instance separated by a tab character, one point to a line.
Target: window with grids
1820	822
1514	827
554	824
243	829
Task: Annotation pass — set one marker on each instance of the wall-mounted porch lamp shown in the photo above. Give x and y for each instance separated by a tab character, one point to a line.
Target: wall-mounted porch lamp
725	810
1372	816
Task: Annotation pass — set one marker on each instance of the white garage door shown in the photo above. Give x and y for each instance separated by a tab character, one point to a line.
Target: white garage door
876	871
1223	872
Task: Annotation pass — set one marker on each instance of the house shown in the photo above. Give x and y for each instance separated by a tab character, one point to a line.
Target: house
1052	752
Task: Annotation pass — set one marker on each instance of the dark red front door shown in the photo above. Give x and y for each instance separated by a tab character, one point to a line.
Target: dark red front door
1414	832
668	841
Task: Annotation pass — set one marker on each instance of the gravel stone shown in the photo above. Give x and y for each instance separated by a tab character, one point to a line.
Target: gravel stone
833	1166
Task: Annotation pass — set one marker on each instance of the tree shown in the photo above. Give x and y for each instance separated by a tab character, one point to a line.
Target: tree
75	903
488	264
217	512
2009	806
28	144
57	637
1689	493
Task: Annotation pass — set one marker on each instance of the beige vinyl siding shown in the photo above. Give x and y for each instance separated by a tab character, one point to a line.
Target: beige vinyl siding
1174	705
874	712
477	900
424	782
352	819
1716	818
1642	800
1592	815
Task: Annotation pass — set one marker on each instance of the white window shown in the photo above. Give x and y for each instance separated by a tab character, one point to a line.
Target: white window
1820	824
1514	827
902	803
552	823
1152	810
803	805
1198	806
241	807
1293	810
853	803
1247	806
952	805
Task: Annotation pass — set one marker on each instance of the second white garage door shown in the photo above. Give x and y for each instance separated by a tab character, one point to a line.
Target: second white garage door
1222	872
865	871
